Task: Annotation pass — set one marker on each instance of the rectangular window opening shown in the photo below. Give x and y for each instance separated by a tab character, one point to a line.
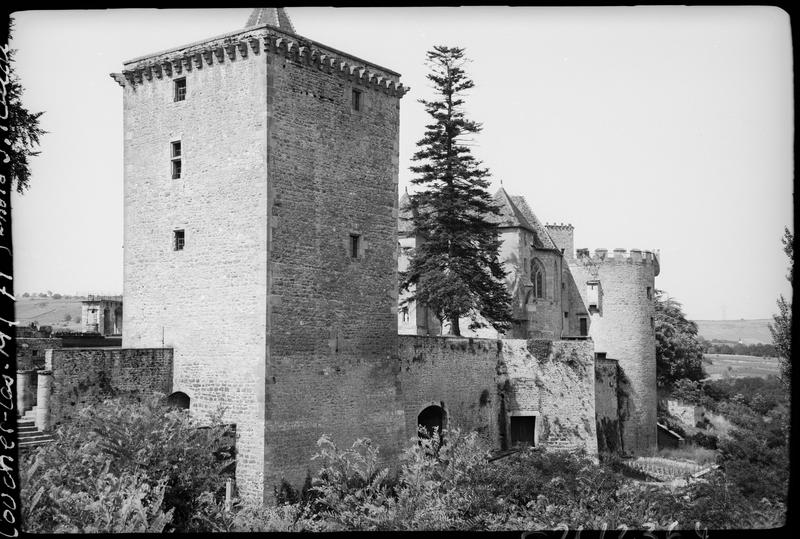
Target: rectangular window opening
176	160
566	315
584	327
354	245
649	293
356	99
180	89
179	240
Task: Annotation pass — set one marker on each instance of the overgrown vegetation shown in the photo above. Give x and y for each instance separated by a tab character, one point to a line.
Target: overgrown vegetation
135	465
754	453
127	465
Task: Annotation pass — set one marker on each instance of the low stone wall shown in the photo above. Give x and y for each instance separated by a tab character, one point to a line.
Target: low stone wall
482	383
84	376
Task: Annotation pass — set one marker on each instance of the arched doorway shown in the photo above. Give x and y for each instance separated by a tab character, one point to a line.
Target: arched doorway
179	400
431	418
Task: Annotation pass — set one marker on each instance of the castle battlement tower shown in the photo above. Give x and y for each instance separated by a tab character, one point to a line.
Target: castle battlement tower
617	290
260	238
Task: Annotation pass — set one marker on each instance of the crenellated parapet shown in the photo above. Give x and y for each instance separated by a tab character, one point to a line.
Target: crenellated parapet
260	40
559	226
620	256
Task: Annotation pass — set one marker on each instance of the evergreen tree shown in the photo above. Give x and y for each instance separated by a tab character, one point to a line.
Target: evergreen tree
21	129
455	270
679	351
781	328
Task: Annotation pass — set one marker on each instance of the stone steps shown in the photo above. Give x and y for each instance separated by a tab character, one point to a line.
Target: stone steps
27	433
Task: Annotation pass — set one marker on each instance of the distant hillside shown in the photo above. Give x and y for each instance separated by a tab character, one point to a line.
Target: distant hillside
749	331
49	312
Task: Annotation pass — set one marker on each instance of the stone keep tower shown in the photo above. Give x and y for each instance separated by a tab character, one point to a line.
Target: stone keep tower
260	238
618	292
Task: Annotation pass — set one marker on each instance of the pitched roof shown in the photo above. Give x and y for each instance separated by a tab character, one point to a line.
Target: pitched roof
542	239
514	213
274	16
509	216
404	224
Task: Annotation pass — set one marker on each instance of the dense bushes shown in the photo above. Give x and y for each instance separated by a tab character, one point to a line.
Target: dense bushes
454	487
139	466
126	448
755	453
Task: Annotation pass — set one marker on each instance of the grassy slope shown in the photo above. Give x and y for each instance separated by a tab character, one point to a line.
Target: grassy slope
749	331
49	312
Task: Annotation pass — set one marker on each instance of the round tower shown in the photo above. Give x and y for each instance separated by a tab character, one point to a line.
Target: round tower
617	289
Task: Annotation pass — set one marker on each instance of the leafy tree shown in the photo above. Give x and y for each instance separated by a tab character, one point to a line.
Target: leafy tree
781	328
679	352
455	270
23	131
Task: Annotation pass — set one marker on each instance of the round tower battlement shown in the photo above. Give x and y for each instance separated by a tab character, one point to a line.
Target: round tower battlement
560	226
602	255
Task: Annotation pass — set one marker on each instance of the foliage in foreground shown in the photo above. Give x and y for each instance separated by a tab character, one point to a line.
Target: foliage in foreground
126	465
453	487
138	466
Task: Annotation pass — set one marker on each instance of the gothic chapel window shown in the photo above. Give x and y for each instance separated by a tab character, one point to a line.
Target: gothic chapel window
537	278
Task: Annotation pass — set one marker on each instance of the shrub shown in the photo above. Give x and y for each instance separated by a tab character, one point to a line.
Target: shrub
136	438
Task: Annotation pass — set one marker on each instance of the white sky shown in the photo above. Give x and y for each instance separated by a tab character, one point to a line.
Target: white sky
657	127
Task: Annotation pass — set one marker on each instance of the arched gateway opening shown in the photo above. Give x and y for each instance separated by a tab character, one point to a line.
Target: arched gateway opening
179	400
432	417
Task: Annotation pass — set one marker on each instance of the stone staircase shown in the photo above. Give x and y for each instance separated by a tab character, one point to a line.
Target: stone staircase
668	470
27	434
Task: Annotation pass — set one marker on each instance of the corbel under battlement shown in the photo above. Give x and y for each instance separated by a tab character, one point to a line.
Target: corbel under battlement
237	46
621	256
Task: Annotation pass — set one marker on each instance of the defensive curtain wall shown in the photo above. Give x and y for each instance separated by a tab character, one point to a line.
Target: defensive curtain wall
75	377
280	228
619	298
507	390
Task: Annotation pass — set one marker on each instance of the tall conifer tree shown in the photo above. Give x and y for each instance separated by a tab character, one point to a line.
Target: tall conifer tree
455	270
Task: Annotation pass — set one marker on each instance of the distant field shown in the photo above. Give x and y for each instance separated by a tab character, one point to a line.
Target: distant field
740	366
749	331
49	312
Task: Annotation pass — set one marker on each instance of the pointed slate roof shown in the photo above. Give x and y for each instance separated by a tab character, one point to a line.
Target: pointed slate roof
542	239
509	216
404	224
274	16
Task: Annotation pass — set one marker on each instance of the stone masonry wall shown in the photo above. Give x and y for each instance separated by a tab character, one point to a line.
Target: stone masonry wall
207	301
623	330
83	376
606	405
30	351
332	319
480	383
